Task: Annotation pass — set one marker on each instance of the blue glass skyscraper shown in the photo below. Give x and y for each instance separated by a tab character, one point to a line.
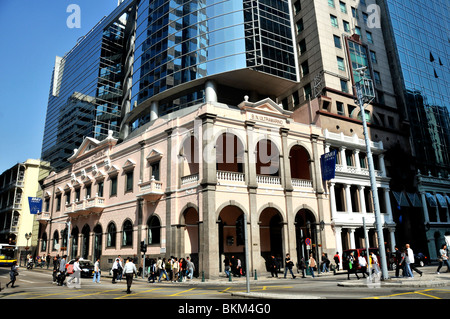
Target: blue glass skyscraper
150	58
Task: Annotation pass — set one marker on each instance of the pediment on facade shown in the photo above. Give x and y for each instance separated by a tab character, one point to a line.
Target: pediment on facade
90	146
264	107
113	169
129	164
154	155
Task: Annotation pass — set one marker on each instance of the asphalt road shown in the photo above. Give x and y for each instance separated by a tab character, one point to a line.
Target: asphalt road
37	284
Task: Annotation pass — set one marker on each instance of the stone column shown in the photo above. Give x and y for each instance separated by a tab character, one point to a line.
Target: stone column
338	237
343	157
348	199
209	245
352	238
332	200
387	200
154	112
425	208
357	163
381	164
362	198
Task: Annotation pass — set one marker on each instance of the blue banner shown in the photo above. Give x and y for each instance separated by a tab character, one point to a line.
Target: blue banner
328	163
35	205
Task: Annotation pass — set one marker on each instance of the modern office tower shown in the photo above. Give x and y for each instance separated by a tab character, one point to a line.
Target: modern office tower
148	59
17	184
418	40
86	95
418	50
336	39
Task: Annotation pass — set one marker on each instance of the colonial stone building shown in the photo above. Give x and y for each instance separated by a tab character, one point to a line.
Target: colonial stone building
182	184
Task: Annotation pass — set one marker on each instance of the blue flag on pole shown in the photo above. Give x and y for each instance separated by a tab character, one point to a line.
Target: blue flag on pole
328	163
35	205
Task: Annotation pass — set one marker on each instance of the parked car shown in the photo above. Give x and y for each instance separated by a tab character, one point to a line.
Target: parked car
87	267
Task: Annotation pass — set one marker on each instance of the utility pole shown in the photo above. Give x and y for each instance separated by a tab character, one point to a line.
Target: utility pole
365	94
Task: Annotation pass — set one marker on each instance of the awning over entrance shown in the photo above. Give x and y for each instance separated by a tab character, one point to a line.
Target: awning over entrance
441	200
414	199
431	200
401	199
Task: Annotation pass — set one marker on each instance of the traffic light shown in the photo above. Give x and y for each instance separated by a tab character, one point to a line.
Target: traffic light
240	235
143	247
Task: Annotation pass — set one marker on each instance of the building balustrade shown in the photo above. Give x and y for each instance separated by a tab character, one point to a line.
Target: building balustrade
151	190
189	179
296	182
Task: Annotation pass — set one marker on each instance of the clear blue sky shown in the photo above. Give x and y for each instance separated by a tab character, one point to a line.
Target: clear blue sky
33	33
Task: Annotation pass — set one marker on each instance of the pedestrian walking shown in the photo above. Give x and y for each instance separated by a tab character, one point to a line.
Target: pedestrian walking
62	271
13	273
302	267
376	266
190	267
288	264
152	271
398	259
116	270
97	272
274	266
352	266
55	269
163	271
412	264
363	264
443	259
175	269
75	274
129	270
238	267
312	264
337	260
407	265
227	265
48	259
325	262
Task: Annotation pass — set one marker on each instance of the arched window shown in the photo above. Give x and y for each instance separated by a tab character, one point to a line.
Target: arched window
44	242
112	232
127	234
55	240
154	231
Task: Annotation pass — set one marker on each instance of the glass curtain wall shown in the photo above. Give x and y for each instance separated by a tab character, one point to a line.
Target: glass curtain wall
180	41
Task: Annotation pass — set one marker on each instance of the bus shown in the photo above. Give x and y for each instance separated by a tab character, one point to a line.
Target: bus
7	252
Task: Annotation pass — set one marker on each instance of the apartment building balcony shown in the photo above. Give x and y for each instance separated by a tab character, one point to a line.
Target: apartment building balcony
151	191
301	183
356	170
43	217
189	180
230	178
85	207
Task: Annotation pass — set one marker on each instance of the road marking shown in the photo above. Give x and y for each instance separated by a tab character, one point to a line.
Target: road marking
178	293
419	292
137	293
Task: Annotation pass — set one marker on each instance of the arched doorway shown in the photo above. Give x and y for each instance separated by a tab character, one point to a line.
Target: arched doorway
231	234
305	228
98	235
271	238
74	235
191	236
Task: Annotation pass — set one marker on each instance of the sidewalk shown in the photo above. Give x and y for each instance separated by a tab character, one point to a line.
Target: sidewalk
428	279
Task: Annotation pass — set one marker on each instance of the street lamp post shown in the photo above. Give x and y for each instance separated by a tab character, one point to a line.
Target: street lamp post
365	94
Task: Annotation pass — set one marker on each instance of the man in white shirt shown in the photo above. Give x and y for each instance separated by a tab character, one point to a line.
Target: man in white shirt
129	270
410	256
363	263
